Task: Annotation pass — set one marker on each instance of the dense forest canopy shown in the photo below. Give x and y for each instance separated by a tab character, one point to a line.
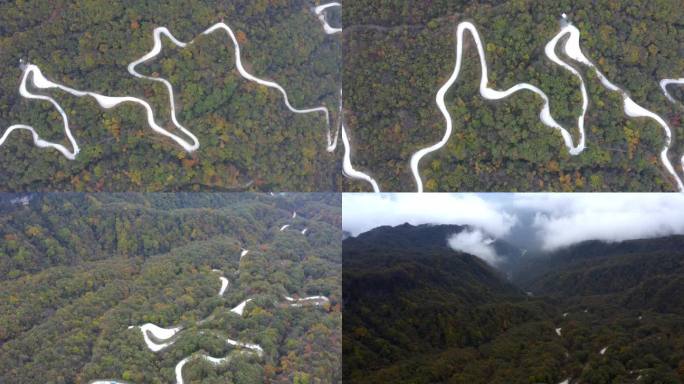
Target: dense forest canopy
591	313
83	274
248	138
397	57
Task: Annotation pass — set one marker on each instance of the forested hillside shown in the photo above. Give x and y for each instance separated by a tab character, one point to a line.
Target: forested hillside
170	288
428	314
646	274
248	138
397	57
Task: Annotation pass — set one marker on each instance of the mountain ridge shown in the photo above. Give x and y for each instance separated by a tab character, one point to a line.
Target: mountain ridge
420	312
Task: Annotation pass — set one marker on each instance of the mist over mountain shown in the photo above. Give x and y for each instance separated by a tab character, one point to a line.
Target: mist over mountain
534	223
647	273
523	235
418	311
425	235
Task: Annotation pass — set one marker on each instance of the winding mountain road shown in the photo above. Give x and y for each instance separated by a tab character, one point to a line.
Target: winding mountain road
571	48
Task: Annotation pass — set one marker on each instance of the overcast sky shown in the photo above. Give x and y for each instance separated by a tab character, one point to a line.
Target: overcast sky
544	221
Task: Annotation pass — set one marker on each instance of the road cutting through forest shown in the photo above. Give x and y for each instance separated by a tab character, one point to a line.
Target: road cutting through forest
572	49
33	74
158	338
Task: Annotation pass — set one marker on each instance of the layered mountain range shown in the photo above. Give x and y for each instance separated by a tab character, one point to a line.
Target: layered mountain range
416	310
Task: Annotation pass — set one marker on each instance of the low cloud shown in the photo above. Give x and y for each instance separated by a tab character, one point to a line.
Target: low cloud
565	219
535	221
476	243
362	211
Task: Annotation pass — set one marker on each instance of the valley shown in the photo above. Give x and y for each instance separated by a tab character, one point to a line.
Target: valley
418	311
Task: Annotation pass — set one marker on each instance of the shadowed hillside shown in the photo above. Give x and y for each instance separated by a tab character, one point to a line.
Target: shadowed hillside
417	311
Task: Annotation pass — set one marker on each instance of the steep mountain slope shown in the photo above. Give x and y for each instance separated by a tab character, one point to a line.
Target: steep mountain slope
599	313
410	256
406	293
640	274
533	266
